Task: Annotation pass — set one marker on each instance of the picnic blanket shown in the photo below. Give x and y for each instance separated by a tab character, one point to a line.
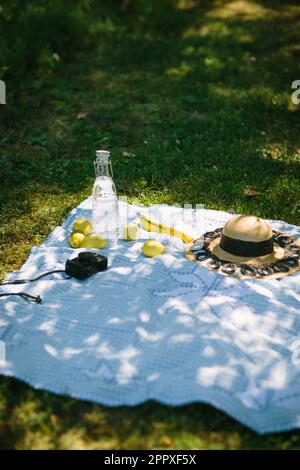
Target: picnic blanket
162	328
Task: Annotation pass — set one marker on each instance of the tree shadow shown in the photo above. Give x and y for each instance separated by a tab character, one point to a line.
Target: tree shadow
206	86
219	330
201	96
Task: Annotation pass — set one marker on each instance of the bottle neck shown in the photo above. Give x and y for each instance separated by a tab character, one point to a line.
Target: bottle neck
103	167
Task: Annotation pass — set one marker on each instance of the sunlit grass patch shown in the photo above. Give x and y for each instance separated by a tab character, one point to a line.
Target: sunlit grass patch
244	9
181	71
194	101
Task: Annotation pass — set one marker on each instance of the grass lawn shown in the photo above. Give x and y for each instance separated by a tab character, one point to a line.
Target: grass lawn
193	98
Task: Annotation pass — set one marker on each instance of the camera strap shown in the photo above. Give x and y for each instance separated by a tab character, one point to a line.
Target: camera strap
86	264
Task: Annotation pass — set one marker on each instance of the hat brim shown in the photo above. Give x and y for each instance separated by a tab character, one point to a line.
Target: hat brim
278	254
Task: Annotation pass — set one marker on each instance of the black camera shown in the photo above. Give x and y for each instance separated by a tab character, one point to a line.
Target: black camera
85	265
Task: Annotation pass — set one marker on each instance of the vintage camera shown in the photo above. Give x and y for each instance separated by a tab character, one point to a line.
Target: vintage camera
85	265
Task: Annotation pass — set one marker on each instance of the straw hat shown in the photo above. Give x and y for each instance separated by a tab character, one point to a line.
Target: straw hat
247	247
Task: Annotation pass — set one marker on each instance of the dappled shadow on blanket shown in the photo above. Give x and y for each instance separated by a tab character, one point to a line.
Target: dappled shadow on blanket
193	330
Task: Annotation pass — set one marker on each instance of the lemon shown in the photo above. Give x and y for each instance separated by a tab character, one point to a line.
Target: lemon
76	238
93	241
131	231
153	248
83	225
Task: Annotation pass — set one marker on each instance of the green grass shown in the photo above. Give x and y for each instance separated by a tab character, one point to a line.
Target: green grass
193	100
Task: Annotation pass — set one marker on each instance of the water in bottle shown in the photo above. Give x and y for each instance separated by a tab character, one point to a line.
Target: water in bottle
105	213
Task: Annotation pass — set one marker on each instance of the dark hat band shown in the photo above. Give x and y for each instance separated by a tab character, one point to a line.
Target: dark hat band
245	248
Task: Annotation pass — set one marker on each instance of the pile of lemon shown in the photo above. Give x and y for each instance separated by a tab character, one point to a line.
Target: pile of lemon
82	236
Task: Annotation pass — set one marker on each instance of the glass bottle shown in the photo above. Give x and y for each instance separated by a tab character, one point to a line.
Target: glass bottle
105	211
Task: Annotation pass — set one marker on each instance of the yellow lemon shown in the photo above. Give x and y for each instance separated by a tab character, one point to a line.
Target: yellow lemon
131	231
76	238
153	248
93	241
83	225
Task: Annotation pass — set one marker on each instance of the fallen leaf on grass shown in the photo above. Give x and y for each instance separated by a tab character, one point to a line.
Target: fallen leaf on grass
82	115
128	155
166	441
251	192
